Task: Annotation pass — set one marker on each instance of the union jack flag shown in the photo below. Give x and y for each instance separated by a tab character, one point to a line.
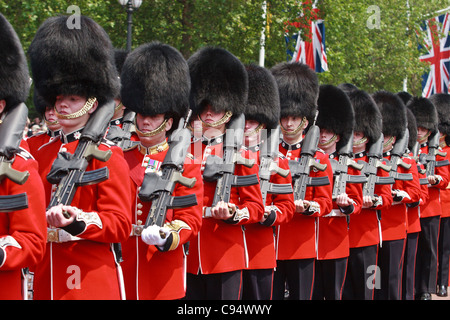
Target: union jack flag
310	46
438	56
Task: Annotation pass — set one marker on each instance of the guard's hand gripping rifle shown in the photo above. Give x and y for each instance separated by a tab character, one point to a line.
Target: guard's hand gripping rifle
11	133
370	169
268	166
300	169
222	169
69	170
429	160
159	188
122	136
397	153
340	169
415	151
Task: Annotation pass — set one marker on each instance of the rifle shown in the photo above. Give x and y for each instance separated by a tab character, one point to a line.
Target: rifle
159	188
267	166
300	169
370	169
415	152
222	169
122	136
397	153
429	160
340	169
69	171
11	133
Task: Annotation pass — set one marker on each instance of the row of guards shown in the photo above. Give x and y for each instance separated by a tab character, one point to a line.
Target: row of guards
208	179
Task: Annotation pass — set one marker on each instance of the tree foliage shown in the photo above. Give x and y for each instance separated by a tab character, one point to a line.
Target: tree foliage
370	55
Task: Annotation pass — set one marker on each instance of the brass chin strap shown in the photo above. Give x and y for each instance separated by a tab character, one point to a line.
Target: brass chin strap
360	141
50	123
332	139
425	138
257	129
224	119
118	106
388	142
292	133
152	133
87	106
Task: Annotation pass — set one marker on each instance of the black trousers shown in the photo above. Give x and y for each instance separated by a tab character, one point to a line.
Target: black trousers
409	266
217	286
426	261
443	252
390	263
361	279
297	275
257	284
329	279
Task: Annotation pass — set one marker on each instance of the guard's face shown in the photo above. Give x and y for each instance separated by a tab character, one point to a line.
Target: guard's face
69	104
291	123
52	119
251	137
422	134
147	124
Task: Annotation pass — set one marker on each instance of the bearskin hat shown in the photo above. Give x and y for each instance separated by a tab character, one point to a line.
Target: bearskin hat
39	103
336	113
425	113
298	86
347	87
367	115
218	79
405	96
263	103
155	80
442	103
119	58
393	112
14	76
73	61
412	128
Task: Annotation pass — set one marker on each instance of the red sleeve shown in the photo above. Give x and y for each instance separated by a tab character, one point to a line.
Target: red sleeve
23	233
284	202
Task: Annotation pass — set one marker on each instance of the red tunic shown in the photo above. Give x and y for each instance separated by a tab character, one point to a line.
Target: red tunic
364	229
394	218
413	216
332	229
432	207
445	194
86	268
297	239
220	246
39	139
23	232
260	238
148	272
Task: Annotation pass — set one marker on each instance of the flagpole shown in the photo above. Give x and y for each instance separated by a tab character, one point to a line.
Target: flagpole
262	50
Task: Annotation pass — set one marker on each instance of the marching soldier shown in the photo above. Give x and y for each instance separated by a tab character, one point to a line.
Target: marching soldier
262	115
364	230
51	121
393	221
218	255
413	216
296	240
336	121
73	70
154	266
22	229
430	212
442	103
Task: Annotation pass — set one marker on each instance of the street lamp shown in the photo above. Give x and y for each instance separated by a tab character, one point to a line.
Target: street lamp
130	6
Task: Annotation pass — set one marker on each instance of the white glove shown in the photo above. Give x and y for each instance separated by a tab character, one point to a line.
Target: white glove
152	235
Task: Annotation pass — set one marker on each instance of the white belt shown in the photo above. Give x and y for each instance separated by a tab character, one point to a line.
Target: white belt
207	212
59	235
335	213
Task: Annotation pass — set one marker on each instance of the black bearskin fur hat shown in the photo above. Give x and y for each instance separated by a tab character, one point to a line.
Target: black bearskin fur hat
218	79
263	103
367	115
393	111
442	103
425	113
336	113
71	61
298	86
14	75
412	128
155	80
